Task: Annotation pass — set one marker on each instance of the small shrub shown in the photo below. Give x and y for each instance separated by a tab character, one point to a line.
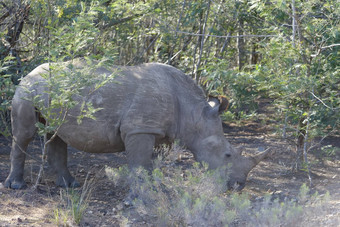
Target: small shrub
6	94
73	205
176	195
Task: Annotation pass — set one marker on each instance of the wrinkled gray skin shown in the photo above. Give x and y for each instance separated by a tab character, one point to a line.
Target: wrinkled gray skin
146	105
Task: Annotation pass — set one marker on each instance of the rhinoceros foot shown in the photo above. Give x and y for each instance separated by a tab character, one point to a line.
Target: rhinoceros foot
67	182
15	183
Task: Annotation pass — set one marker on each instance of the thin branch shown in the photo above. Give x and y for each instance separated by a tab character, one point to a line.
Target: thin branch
3	17
43	158
330	46
224	36
145	50
323	102
23	151
324	48
121	21
305	150
322	139
175	55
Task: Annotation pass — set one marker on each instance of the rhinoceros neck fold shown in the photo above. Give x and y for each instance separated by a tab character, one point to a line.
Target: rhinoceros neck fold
188	115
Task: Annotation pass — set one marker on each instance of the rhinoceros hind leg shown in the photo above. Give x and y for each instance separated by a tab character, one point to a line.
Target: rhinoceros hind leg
15	179
139	149
57	159
23	129
15	184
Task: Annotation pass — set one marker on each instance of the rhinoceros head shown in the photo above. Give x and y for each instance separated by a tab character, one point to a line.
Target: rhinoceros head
212	147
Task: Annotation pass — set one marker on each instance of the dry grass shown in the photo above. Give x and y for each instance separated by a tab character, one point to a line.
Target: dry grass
172	195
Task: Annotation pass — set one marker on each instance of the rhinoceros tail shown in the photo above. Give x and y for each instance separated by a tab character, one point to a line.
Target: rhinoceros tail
40	118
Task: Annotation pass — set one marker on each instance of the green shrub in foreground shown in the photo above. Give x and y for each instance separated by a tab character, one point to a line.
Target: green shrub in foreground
73	204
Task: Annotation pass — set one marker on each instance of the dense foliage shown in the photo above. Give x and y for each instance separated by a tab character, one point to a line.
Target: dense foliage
284	51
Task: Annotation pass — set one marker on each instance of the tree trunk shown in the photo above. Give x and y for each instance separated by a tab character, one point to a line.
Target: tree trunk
254	55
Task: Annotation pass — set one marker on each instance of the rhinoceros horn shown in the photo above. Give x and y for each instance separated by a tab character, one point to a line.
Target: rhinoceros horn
259	157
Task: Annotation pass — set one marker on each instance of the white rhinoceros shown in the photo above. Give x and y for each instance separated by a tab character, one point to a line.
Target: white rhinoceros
142	107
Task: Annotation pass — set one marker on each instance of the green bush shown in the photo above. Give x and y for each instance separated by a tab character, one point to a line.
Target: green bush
240	87
6	94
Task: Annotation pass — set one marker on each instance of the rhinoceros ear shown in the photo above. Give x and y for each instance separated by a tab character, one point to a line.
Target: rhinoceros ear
219	103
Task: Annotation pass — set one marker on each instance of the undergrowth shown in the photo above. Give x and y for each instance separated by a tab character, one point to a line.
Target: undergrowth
72	205
174	195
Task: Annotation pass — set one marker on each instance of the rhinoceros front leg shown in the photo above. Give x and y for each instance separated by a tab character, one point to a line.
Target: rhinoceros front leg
57	159
139	149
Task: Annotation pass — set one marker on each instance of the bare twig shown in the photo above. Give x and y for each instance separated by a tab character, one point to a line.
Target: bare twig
330	46
305	150
284	131
23	151
324	48
121	21
44	154
145	50
175	55
322	139
323	102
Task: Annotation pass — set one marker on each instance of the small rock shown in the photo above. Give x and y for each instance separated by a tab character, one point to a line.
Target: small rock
127	203
90	212
120	207
19	220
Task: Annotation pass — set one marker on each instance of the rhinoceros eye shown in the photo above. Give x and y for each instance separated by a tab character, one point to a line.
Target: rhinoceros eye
228	155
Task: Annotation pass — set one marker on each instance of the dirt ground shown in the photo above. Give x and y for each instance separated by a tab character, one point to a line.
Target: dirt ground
274	175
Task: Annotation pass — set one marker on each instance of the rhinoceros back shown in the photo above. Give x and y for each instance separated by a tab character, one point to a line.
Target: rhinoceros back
141	99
